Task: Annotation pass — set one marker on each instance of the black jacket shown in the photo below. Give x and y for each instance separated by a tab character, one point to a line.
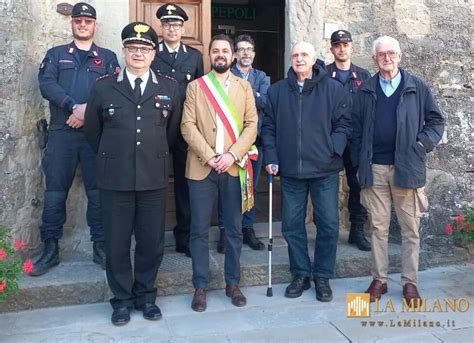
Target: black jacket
187	66
132	137
418	119
306	133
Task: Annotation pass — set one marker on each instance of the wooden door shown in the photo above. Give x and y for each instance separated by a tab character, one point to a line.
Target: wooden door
197	30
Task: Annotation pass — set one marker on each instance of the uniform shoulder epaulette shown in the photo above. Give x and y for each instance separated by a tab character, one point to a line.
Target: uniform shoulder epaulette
167	77
104	76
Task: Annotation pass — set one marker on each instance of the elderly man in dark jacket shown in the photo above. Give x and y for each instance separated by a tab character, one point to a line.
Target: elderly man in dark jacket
396	123
305	130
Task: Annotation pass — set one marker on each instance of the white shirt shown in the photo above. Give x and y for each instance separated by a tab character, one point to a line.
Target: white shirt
170	50
132	78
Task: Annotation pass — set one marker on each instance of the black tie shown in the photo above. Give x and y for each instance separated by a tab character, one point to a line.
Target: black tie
173	55
137	90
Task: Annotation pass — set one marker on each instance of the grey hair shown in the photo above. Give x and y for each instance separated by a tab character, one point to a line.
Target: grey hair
385	40
308	46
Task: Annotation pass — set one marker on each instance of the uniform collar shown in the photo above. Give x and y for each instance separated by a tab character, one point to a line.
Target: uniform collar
93	51
334	69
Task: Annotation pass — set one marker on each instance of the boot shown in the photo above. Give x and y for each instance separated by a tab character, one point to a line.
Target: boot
356	237
98	257
221	243
48	259
251	240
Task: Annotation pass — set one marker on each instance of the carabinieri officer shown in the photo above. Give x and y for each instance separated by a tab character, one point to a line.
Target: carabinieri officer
184	64
131	120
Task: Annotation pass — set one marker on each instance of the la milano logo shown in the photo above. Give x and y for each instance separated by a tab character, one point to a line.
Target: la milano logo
424	305
358	305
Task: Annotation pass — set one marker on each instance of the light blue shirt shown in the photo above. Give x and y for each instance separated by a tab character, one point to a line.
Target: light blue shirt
390	86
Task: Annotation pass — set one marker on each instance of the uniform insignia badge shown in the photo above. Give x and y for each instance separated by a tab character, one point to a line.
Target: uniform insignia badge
165	113
85	8
188	77
111	111
160	47
42	65
163	97
341	33
71	50
117	70
358	83
140	28
95	53
98	62
333	74
170	8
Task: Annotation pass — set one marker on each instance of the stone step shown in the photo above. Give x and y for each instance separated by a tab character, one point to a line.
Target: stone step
77	280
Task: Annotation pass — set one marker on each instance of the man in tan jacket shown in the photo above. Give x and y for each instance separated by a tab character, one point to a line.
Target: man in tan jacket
220	125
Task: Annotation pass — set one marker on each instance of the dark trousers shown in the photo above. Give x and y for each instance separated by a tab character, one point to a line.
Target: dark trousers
357	212
247	220
181	192
324	197
64	151
202	196
141	212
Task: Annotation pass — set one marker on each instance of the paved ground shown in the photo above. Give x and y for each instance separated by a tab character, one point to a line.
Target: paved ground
275	319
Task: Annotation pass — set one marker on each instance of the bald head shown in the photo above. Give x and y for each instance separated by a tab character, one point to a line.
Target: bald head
303	57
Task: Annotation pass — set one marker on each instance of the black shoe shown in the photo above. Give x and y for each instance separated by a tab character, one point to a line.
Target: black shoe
356	237
323	290
120	316
251	240
182	242
150	311
297	286
98	256
221	243
48	259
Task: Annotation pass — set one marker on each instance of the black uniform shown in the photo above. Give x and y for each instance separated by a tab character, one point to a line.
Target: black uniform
187	66
131	136
358	214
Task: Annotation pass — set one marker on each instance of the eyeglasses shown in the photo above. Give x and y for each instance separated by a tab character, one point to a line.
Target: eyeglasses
249	49
134	49
78	21
175	26
391	54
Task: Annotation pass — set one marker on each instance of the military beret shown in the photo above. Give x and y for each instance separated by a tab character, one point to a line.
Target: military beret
170	12
341	36
139	32
81	9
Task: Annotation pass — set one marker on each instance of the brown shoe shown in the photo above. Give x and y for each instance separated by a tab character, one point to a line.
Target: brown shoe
376	289
410	292
199	300
238	299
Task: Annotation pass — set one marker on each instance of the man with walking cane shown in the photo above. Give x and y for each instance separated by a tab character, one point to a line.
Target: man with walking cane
305	130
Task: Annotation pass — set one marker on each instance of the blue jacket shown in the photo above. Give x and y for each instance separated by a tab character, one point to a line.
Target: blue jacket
305	133
65	80
354	82
418	119
260	83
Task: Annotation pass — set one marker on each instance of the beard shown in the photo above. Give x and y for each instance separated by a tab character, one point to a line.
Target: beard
220	68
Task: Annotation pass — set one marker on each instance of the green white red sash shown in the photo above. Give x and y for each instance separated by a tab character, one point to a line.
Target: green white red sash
233	125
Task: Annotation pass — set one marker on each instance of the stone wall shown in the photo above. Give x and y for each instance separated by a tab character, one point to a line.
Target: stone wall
30	28
436	43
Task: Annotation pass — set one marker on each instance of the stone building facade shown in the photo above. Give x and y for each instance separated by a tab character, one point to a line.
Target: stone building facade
436	40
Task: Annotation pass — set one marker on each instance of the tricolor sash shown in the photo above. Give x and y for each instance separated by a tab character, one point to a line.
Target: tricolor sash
229	117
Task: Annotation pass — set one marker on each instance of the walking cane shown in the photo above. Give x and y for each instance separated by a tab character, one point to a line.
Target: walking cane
270	237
